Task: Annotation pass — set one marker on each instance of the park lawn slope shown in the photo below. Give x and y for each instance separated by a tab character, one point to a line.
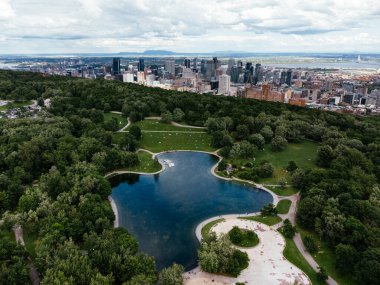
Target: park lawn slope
292	254
122	121
283	206
157	142
156	125
268	220
303	154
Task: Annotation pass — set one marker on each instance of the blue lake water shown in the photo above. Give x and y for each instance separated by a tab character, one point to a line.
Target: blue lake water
163	210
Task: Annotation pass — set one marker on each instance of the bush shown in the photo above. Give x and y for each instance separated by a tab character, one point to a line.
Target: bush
292	166
269	210
288	230
322	274
265	170
171	275
310	244
279	143
242	237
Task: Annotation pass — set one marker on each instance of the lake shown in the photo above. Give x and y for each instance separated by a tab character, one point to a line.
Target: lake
163	210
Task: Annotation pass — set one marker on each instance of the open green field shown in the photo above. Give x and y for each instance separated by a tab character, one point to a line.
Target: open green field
287	191
269	220
156	125
147	164
283	206
157	142
325	257
292	254
15	105
122	121
303	154
205	231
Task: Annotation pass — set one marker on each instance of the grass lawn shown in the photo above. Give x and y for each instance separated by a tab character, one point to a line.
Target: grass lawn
292	254
325	257
283	206
287	191
122	121
156	125
303	154
270	220
158	142
206	228
15	105
147	164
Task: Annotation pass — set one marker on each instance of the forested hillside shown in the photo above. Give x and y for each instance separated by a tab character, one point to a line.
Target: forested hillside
52	174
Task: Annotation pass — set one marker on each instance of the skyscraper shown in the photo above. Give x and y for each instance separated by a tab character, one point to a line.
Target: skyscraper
289	77
283	77
116	66
258	73
141	65
187	63
195	63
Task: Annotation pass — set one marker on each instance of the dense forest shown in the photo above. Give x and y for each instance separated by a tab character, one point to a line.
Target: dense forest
52	174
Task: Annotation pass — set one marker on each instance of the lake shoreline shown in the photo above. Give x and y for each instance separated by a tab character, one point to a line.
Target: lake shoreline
275	197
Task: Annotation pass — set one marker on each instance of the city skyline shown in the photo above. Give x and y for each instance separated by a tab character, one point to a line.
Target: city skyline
94	26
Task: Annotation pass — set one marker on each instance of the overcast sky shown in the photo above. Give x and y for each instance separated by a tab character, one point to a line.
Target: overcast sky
68	26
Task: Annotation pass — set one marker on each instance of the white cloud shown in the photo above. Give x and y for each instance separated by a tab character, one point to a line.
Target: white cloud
257	25
6	10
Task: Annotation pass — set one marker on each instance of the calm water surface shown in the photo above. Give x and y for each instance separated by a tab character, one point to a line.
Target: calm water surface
163	210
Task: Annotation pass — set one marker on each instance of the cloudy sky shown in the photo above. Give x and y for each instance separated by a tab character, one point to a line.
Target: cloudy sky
67	26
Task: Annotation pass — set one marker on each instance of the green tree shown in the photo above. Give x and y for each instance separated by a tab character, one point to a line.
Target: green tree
178	115
325	156
135	131
278	143
171	275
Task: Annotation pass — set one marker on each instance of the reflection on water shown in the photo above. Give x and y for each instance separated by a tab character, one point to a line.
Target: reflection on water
163	210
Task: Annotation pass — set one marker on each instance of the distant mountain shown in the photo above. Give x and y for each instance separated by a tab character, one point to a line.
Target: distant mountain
159	52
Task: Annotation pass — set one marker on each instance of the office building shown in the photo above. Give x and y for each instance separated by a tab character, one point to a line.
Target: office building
116	66
187	63
224	84
141	65
289	77
170	67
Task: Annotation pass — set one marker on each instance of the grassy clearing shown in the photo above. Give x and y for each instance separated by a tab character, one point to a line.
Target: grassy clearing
15	105
302	153
157	142
292	254
156	125
147	164
283	206
270	220
287	191
122	121
206	228
325	257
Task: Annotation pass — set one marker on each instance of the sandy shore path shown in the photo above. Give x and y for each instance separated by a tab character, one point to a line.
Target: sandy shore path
267	264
